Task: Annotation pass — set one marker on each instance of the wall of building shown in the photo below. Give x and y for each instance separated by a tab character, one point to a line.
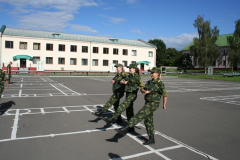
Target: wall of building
8	54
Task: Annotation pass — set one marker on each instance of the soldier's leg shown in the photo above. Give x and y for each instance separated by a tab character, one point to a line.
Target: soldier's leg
110	102
148	108
116	105
125	104
148	122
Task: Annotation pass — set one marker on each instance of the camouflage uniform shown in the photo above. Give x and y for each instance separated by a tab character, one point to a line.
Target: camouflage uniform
152	101
9	74
2	79
118	92
131	88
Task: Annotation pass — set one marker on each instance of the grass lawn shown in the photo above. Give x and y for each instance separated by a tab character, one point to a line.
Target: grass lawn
201	76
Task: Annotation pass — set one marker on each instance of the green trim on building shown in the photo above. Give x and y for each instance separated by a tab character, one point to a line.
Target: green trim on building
221	42
2	28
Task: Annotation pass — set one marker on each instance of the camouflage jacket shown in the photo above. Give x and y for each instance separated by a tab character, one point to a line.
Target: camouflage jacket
134	82
2	77
157	89
9	68
117	87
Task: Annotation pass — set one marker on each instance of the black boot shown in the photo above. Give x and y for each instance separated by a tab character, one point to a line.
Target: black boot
109	120
150	141
131	130
98	114
123	130
119	119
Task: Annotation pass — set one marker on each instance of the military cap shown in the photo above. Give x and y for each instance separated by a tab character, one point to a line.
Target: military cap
132	66
118	65
155	70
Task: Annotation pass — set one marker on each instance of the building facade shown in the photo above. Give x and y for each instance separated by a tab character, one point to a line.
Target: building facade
222	45
72	52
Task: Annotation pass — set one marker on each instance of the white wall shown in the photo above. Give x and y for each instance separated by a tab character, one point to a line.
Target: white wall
7	54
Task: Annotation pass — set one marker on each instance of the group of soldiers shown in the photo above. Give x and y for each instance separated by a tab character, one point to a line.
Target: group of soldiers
130	84
5	78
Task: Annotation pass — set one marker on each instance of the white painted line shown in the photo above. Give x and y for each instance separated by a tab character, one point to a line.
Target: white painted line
15	125
68	88
44	80
42	111
20	93
21	86
58	89
50	94
65	109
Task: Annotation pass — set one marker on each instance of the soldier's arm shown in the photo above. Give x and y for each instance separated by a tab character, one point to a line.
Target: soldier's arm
164	103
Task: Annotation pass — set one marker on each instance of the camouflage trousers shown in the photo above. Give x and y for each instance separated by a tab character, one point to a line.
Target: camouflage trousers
1	90
114	100
127	105
145	113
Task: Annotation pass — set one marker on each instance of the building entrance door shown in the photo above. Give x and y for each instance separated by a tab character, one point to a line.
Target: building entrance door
23	63
142	66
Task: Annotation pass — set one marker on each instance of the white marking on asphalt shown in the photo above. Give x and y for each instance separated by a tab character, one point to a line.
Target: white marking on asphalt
21	86
58	89
20	93
44	80
65	109
42	111
15	125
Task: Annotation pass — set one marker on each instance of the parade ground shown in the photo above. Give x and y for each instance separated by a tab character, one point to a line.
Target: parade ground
46	118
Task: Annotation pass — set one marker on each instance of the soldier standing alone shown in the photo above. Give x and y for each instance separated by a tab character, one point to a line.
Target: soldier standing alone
153	90
9	71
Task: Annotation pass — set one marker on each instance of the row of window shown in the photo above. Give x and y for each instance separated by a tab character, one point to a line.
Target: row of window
73	61
73	48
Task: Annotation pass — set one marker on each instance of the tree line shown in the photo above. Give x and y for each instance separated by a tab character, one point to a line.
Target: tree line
204	51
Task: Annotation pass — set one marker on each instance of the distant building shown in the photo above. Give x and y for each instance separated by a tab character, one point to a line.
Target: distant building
58	51
222	44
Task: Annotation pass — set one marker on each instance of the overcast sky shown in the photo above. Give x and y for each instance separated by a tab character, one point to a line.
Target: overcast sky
169	20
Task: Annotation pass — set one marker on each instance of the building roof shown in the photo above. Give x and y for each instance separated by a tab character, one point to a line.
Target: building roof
221	41
76	37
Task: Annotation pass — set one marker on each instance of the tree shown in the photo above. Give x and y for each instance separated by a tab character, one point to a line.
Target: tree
172	57
185	62
204	49
234	46
161	51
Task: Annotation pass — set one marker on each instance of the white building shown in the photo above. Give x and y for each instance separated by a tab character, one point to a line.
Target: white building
62	51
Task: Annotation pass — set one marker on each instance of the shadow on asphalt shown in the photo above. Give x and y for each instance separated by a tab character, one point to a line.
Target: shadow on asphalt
5	106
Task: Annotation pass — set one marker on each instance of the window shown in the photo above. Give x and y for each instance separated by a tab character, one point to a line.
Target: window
195	63
115	51
125	52
49	47
84	61
85	49
115	62
224	62
150	54
133	62
134	53
105	62
73	48
225	52
36	46
23	45
8	44
49	60
61	47
95	49
95	62
105	51
35	59
61	60
73	61
124	63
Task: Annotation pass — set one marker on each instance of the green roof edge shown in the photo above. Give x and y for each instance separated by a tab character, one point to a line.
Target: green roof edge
219	38
2	28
